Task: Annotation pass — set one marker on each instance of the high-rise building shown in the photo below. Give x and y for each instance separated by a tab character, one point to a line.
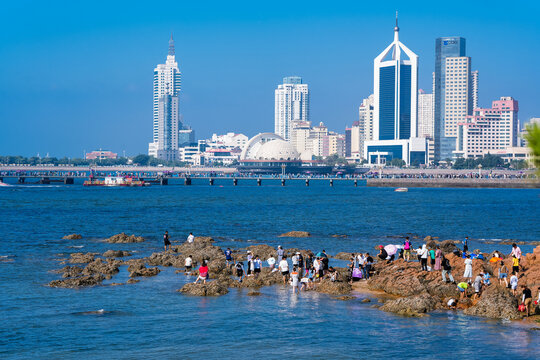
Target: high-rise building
316	137
166	120
395	106
300	133
488	130
426	114
365	125
291	104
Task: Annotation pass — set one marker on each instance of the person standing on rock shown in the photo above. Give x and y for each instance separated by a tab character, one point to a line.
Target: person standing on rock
249	263
423	257
438	256
190	238
407	250
284	268
239	267
369	264
526	299
300	263
188	263
515	264
294	260
466	244
503	274
309	262
166	241
514	283
516	251
257	265
280	254
467	275
228	256
477	285
271	262
447	269
294	279
432	258
203	273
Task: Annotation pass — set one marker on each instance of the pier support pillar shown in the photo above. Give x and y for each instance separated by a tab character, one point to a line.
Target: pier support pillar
211	181
69	181
21	180
331	182
45	180
282	182
259	182
235	182
307	182
355	182
187	181
163	181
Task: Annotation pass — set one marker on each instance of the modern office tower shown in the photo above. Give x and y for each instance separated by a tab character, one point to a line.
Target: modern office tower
186	137
348	142
365	124
395	106
291	104
489	130
426	114
166	122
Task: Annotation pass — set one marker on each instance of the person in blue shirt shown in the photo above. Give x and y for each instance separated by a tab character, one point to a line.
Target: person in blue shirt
228	256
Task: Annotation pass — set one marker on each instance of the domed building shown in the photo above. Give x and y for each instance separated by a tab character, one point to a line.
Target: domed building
268	153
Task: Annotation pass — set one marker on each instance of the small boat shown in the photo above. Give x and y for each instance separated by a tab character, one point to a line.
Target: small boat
116	181
3	184
401	189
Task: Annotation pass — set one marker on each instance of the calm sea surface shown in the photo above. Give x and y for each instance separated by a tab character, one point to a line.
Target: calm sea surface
151	320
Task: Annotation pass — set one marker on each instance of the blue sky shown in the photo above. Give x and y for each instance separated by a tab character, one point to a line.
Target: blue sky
77	75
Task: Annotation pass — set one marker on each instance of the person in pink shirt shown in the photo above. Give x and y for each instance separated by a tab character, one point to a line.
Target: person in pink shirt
203	273
516	251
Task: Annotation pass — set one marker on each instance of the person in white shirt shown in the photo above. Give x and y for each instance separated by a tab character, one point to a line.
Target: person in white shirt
516	251
514	283
423	257
294	260
190	238
271	262
188	264
284	268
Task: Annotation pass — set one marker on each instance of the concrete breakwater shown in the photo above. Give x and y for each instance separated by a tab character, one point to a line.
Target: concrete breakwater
455	182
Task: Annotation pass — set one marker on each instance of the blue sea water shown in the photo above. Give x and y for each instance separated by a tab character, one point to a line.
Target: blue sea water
151	320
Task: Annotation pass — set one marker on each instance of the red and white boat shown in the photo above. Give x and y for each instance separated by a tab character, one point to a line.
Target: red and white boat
116	181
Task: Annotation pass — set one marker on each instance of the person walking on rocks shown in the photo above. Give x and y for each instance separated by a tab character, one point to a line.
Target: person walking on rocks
228	256
423	257
514	283
166	240
280	254
468	269
477	285
190	238
447	269
407	250
271	262
515	264
503	274
516	251
432	259
203	273
239	267
526	299
284	268
438	258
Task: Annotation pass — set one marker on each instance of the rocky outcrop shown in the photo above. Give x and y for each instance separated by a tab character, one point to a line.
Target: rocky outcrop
212	288
132	281
77	282
297	234
333	287
202	248
496	302
69	271
166	259
81	258
343	256
416	305
116	253
340	236
531	266
100	266
124	238
265	278
72	237
141	270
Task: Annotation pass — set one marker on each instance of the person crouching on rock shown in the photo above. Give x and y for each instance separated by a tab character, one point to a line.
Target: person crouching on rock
462	287
239	267
188	264
452	303
203	273
284	268
382	253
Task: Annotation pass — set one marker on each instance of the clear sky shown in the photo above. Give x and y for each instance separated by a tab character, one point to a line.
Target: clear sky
77	75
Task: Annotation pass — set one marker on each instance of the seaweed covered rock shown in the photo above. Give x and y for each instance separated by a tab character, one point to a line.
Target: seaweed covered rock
124	238
496	302
72	237
77	282
298	234
333	287
141	270
81	258
212	288
116	253
416	305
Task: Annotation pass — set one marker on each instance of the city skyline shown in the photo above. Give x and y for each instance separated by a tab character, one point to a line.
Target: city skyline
90	109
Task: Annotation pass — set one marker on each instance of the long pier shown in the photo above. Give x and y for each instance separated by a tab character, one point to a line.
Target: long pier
455	183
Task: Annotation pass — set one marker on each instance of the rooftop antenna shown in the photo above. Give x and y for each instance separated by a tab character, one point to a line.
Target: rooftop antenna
397	27
171	45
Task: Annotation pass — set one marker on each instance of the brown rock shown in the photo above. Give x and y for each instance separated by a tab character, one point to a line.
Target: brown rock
333	288
81	258
366	300
69	271
72	237
132	281
416	305
116	284
99	266
253	293
116	253
124	238
300	234
83	281
141	270
212	288
345	298
496	302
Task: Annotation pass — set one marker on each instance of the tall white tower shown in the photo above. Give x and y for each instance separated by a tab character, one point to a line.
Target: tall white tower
166	120
291	105
395	92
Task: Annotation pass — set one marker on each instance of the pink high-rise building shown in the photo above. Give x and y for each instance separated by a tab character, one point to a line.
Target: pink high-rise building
488	130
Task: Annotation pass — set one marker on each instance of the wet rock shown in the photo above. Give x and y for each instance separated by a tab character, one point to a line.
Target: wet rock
264	251
77	282
212	288
343	256
100	266
333	288
300	234
345	298
116	284
141	270
166	259
116	253
72	237
69	271
496	302
253	293
340	236
124	238
132	281
417	305
202	248
265	278
366	300
81	258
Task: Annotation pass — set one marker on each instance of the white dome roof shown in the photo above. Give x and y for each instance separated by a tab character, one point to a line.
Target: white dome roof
277	150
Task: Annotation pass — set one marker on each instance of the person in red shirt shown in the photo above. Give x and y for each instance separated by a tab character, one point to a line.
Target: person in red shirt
203	273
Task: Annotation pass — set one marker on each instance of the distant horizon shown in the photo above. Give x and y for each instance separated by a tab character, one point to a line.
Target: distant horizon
85	83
